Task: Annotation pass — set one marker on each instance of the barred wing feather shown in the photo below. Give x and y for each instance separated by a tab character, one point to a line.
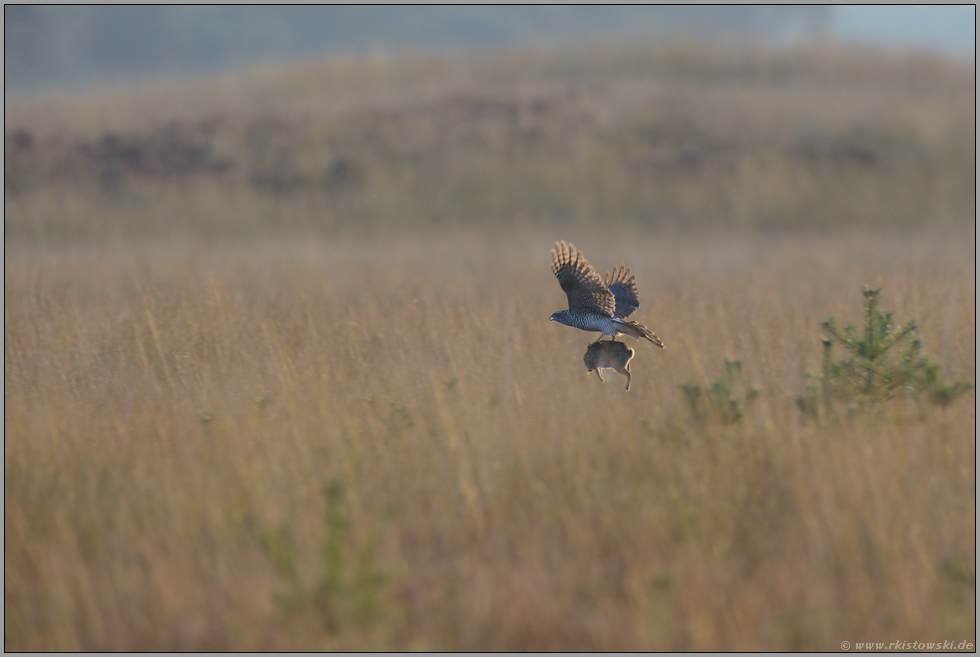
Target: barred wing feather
582	284
623	286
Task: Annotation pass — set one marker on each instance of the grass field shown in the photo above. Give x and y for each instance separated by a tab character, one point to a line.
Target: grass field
331	413
171	409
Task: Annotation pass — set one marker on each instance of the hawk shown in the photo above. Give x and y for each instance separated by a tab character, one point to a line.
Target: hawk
594	304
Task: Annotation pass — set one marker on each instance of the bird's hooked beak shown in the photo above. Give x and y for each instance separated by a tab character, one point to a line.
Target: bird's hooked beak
552	318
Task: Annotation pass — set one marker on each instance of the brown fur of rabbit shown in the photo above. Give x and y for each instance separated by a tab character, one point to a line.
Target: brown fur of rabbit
609	354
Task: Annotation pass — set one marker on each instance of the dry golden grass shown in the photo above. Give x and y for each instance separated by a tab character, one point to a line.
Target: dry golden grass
174	410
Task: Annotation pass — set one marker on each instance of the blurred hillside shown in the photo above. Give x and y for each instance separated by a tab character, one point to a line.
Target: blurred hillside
47	46
688	136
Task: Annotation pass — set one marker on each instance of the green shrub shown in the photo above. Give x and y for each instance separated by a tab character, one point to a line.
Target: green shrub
347	591
881	362
725	400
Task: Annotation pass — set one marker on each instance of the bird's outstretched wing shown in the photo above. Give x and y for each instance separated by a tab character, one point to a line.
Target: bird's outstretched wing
581	282
623	286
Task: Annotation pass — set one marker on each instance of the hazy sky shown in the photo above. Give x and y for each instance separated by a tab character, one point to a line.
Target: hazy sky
950	28
74	45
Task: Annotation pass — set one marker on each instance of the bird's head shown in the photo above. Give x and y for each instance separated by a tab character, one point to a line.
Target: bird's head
554	316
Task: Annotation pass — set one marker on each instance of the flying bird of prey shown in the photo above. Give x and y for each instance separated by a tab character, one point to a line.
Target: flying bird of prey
594	304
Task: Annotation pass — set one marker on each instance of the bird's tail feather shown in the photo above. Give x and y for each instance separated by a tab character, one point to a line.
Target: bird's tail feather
635	330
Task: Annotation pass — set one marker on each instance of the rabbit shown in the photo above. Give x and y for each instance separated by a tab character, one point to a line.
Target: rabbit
609	354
